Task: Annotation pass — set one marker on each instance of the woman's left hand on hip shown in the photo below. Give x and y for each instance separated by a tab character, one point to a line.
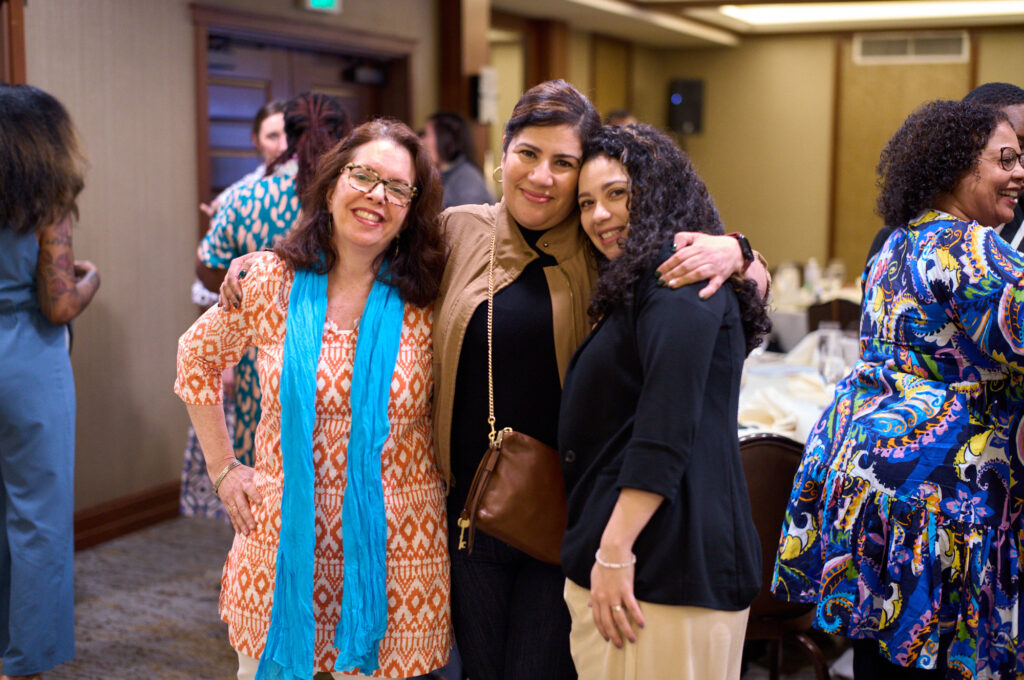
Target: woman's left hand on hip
613	605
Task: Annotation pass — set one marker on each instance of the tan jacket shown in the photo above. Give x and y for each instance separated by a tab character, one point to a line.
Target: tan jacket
464	287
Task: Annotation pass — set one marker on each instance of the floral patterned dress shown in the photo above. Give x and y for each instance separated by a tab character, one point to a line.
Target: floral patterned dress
251	218
418	636
904	522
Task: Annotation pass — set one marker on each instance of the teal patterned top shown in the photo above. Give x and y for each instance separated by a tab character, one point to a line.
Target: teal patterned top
252	217
904	522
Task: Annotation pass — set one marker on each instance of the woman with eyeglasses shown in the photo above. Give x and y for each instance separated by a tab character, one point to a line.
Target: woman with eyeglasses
340	560
904	523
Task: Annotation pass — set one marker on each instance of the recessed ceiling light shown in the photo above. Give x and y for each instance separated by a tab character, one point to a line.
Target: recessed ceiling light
809	13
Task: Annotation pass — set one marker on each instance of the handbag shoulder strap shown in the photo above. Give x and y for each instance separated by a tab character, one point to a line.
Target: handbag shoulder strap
494	437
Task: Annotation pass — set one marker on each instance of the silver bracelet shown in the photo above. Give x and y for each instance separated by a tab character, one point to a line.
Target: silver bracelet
613	565
224	473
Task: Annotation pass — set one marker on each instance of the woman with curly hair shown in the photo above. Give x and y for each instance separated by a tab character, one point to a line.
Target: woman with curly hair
904	522
660	542
340	559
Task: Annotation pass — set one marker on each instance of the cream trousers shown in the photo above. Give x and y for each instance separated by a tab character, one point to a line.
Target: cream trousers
247	669
677	643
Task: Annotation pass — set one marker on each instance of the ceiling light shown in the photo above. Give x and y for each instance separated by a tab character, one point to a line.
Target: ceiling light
809	13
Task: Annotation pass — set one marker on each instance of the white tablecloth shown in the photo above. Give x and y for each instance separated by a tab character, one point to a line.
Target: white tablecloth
785	398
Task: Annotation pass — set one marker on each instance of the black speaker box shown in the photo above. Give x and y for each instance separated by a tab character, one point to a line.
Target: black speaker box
685	105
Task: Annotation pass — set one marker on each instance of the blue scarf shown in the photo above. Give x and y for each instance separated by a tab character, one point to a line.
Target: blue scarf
289	650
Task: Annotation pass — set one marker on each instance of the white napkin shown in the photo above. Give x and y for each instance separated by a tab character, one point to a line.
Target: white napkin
810	387
763	411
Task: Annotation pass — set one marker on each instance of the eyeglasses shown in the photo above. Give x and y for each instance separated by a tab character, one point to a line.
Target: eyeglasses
396	192
1007	157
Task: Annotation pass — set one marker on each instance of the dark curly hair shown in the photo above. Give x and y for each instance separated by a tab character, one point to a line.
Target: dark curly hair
935	147
995	94
666	196
41	168
416	268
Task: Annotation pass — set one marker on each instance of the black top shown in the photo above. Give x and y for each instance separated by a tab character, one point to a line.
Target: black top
650	403
526	381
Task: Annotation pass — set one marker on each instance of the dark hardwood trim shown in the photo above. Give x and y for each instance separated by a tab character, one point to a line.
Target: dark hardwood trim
288	32
120	516
202	81
630	66
972	64
12	42
833	179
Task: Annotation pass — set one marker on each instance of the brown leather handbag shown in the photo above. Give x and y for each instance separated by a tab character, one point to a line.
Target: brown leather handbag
517	494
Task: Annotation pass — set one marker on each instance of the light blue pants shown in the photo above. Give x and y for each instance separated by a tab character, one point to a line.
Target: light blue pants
37	460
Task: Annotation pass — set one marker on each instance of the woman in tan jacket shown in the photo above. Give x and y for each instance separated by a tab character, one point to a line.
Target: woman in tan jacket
507	609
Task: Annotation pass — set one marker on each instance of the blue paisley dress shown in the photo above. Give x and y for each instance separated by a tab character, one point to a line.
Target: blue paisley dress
904	522
252	217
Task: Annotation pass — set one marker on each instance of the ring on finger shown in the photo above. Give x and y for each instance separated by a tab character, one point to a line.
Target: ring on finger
616	607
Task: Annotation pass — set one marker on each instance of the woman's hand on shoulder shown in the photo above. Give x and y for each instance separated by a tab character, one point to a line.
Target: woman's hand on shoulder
701	257
231	287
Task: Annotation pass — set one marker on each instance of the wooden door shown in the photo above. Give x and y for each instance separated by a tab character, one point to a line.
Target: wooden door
242	76
873	101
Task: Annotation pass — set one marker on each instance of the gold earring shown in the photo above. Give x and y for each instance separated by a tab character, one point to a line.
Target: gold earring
394	252
497	174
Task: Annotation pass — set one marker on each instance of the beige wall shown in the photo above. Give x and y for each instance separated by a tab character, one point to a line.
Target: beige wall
765	151
1001	56
124	69
579	62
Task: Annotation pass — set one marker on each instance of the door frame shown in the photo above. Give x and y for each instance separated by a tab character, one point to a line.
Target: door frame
12	42
396	99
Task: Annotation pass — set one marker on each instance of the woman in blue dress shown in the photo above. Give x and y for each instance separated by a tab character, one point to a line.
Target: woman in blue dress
258	215
904	522
42	288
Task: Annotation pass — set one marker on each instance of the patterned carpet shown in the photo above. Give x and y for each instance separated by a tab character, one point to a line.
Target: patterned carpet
146	606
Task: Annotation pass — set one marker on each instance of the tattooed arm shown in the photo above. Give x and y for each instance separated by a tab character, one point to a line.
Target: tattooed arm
64	285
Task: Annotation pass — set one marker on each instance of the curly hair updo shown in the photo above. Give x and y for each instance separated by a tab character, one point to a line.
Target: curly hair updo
666	196
937	145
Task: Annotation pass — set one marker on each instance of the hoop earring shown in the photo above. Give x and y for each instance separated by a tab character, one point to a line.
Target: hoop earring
497	174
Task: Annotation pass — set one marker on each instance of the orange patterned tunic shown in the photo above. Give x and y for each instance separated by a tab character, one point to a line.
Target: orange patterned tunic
419	626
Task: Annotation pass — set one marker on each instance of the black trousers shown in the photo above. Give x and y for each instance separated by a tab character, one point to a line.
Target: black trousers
869	664
510	618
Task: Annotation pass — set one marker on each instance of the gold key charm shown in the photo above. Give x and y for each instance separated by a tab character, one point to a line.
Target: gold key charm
463	523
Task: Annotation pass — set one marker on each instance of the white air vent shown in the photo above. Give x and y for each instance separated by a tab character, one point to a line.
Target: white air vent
945	47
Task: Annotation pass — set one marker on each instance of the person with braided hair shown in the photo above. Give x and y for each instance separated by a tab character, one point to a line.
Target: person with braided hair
260	214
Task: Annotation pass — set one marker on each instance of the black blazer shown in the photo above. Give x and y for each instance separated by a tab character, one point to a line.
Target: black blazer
650	403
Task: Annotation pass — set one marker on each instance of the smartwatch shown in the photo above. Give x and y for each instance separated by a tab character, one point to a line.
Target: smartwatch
745	249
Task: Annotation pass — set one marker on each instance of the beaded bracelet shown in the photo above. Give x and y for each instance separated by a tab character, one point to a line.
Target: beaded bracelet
613	565
224	473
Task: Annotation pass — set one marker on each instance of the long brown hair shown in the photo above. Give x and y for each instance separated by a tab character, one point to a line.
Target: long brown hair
41	168
417	264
